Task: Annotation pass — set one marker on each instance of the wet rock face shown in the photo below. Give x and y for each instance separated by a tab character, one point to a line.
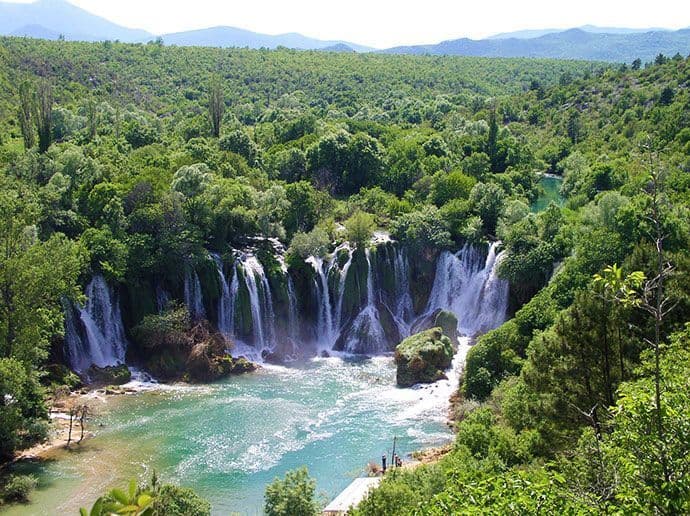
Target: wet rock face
423	358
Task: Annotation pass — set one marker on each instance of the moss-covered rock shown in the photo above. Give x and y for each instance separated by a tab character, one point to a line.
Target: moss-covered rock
423	357
110	375
208	360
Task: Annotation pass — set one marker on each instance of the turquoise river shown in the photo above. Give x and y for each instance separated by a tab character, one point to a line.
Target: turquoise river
229	440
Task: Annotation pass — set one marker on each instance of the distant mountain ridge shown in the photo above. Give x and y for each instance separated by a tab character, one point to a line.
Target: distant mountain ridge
568	44
50	19
234	37
535	33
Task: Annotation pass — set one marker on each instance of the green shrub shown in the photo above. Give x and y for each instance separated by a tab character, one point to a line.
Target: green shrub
17	488
179	501
292	496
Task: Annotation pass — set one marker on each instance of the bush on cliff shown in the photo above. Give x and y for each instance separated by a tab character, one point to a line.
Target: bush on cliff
177	348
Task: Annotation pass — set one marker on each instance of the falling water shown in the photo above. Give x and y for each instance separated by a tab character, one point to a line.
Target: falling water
367	335
341	290
97	335
293	319
403	310
225	304
234	290
324	320
261	303
467	284
192	294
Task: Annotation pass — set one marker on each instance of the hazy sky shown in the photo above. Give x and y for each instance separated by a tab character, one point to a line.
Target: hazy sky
385	23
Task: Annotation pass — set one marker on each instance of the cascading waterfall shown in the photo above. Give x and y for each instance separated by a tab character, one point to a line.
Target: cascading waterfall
330	305
341	290
226	302
234	290
192	294
403	310
468	285
293	318
261	303
94	334
367	335
324	321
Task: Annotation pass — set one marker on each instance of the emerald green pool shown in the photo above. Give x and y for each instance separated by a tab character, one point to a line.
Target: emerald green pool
551	186
229	440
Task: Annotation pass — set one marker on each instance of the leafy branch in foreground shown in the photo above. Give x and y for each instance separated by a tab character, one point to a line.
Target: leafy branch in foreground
150	500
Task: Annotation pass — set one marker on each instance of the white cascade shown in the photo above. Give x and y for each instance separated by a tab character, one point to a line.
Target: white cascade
261	303
468	285
234	289
341	293
367	334
226	302
94	334
293	318
192	294
403	309
324	318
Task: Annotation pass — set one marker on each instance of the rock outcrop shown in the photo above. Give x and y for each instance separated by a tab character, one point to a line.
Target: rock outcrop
423	357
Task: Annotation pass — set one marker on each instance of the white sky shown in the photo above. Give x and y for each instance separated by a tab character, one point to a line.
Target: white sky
386	23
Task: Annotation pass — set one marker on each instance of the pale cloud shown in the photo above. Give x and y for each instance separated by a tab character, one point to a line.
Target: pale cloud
389	22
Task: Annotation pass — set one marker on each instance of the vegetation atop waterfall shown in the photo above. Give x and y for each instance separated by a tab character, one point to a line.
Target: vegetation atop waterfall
177	348
423	358
149	176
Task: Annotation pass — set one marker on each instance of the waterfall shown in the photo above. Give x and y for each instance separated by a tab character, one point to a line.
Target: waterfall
234	290
341	290
324	318
293	319
192	294
261	303
403	309
226	302
468	285
94	334
367	335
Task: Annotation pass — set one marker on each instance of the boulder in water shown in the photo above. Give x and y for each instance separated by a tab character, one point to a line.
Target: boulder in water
109	375
423	357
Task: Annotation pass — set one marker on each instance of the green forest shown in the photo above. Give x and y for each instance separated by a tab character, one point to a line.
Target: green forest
134	161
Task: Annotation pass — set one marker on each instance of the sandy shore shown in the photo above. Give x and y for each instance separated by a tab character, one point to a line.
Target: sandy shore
96	399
